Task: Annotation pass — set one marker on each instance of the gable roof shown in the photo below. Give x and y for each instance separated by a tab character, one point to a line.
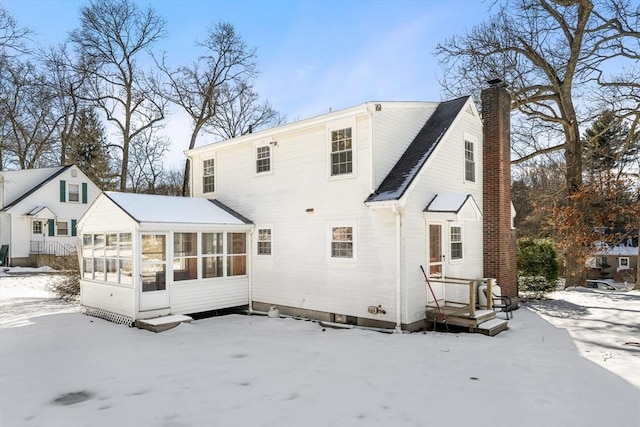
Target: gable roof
172	209
30	191
406	169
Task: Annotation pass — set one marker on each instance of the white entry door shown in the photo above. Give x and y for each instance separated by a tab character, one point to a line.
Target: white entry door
153	278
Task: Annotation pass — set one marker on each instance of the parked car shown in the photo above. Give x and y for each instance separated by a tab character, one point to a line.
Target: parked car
603	285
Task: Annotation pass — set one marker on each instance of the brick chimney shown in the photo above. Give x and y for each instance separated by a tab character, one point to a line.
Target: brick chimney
499	238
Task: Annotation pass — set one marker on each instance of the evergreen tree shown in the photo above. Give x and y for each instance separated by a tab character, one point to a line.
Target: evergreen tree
604	144
88	150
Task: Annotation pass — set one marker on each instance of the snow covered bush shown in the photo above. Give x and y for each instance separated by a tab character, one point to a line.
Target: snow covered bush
535	287
66	285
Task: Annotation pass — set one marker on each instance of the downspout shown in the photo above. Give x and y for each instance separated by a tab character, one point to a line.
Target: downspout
250	260
395	209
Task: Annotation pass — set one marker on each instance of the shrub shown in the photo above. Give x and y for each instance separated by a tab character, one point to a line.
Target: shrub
66	285
535	287
538	268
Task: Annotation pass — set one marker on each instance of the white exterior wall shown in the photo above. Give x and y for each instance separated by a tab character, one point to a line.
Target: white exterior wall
444	172
300	272
20	232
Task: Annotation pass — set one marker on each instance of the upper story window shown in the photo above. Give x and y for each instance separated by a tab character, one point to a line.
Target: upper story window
264	241
469	162
263	159
341	152
342	242
208	176
456	242
74	193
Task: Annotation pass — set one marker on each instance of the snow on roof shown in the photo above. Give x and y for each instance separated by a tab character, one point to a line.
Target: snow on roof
618	251
447	202
170	209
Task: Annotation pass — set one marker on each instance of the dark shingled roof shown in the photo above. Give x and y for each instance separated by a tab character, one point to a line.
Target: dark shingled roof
400	177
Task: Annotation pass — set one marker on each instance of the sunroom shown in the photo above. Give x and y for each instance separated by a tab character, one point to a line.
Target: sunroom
145	256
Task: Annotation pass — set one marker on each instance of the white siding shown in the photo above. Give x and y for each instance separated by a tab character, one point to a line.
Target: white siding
394	128
208	295
109	297
106	216
444	172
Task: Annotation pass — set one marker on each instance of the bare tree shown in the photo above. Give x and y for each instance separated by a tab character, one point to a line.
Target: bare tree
554	54
145	163
215	84
112	39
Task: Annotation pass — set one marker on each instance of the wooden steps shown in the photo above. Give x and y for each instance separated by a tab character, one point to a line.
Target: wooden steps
492	327
164	323
482	321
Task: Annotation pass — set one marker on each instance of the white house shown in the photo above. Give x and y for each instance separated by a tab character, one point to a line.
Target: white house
40	209
145	256
343	211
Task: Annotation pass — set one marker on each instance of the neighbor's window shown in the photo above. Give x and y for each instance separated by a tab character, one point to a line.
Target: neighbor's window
74	193
264	241
236	254
37	227
63	228
341	152
212	255
208	176
341	242
185	256
263	159
623	263
456	242
469	162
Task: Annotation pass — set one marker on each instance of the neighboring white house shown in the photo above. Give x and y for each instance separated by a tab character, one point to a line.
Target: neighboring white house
145	256
348	205
39	211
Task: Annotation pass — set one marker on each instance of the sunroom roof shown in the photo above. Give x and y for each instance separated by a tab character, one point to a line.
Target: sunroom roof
171	209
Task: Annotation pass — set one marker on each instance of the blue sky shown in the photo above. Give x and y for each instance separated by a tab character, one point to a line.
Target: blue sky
312	55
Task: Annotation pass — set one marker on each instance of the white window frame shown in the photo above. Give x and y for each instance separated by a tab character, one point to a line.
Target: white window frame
354	158
624	267
77	193
36	227
256	153
453	225
471	139
204	175
354	242
270	241
58	228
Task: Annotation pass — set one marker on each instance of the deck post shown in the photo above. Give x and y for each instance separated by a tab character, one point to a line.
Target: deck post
472	298
490	283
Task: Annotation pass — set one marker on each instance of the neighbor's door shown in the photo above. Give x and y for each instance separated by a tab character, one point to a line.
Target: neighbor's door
435	257
38	231
153	278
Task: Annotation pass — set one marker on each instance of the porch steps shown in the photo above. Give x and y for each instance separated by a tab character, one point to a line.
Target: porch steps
483	321
164	323
492	327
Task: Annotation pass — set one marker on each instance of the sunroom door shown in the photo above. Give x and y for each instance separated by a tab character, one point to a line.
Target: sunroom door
153	278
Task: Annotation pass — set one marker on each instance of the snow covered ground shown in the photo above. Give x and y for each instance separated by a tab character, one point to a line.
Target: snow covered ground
67	369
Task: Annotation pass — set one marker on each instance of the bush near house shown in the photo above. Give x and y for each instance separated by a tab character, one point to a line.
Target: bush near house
538	268
66	285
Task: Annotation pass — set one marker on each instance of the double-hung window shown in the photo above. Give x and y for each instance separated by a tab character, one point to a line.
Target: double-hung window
264	241
62	228
469	162
342	242
236	254
455	235
208	176
74	193
212	255
341	152
263	159
623	263
185	256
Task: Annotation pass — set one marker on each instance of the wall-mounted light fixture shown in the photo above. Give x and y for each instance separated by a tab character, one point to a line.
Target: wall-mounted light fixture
274	143
309	210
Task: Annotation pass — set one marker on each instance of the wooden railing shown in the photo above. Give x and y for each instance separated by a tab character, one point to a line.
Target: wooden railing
468	307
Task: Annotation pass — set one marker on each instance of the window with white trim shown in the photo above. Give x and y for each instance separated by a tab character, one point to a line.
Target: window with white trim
74	193
623	263
62	228
342	242
212	255
341	152
108	257
469	162
37	227
263	159
455	239
236	254
208	176
185	256
264	241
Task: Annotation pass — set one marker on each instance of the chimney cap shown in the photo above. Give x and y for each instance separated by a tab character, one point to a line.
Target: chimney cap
496	82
